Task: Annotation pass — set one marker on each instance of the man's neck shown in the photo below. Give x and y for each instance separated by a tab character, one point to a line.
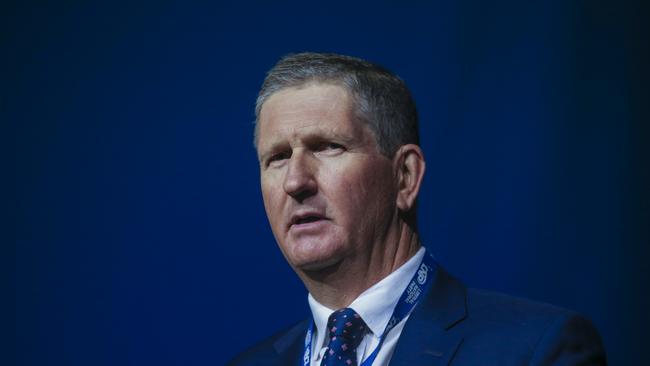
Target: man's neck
340	284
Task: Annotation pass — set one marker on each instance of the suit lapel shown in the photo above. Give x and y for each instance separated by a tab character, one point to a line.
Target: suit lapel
425	339
289	346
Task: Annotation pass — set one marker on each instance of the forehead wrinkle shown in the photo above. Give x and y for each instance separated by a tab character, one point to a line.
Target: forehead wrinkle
297	136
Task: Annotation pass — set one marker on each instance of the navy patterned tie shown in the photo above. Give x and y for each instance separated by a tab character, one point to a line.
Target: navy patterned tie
346	329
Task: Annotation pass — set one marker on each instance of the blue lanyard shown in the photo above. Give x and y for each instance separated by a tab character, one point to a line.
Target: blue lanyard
410	297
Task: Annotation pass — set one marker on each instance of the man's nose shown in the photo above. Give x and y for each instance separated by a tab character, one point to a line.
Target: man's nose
300	181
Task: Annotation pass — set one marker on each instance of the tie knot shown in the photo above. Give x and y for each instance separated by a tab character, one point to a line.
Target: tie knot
346	323
346	329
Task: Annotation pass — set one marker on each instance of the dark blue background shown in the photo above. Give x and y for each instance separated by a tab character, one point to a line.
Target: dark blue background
140	235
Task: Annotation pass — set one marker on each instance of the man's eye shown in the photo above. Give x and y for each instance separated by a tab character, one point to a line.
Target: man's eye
334	146
330	146
275	158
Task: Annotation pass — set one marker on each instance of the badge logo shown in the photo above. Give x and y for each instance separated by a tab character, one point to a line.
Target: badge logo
422	274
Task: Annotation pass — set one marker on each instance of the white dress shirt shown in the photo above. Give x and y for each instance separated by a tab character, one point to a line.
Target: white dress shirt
375	306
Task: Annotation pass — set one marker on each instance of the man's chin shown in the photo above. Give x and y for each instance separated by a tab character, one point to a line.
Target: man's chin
319	265
315	255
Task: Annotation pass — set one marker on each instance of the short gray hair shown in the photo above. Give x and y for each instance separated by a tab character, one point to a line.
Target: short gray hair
380	98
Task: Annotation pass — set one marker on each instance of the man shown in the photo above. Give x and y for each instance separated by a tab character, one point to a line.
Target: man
341	168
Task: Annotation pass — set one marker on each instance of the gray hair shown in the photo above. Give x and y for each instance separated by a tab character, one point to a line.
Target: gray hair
380	98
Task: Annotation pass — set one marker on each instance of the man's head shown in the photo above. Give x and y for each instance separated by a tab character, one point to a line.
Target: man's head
333	192
379	98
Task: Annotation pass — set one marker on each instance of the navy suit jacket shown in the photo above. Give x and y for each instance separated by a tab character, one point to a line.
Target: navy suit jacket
453	325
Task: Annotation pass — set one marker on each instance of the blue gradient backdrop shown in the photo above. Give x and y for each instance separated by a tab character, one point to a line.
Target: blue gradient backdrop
139	232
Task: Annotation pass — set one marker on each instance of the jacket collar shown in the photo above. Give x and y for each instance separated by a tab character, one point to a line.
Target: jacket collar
289	345
425	339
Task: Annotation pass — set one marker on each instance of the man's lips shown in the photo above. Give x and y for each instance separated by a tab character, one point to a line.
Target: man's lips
305	217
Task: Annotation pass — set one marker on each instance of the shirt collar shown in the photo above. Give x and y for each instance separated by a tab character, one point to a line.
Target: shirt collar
375	305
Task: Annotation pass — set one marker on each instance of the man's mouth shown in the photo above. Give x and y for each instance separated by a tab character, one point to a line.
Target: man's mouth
308	219
303	218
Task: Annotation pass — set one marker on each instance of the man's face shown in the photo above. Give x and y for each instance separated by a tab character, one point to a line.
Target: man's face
329	193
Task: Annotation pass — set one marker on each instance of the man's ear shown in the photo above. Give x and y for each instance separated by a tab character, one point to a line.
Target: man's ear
409	166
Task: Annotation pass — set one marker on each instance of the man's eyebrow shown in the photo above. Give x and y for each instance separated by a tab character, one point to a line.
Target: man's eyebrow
271	147
321	135
267	150
310	137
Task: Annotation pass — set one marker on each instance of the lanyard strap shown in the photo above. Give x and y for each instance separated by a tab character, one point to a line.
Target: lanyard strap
410	297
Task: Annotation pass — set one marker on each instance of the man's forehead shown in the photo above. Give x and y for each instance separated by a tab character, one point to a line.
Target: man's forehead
306	111
296	100
309	131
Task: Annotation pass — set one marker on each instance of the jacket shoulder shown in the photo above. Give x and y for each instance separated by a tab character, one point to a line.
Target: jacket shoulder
510	309
542	333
